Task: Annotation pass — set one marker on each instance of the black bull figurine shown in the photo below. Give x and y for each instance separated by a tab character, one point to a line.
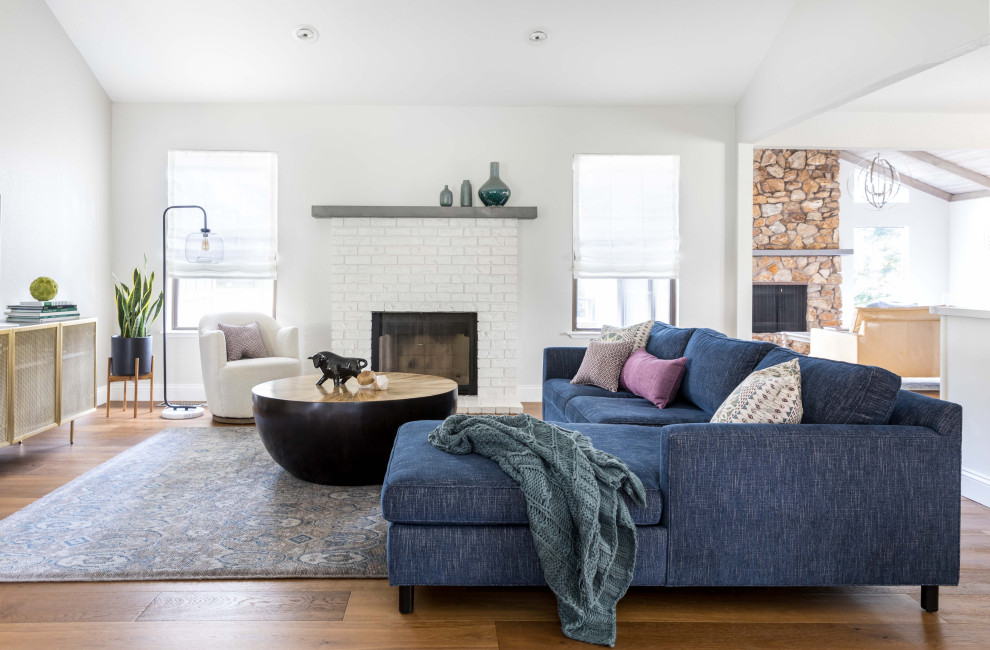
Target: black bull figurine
337	367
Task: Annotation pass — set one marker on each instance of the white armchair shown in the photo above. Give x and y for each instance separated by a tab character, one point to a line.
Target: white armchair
228	383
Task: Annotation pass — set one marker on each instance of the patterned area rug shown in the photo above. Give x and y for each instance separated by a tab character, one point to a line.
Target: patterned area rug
195	503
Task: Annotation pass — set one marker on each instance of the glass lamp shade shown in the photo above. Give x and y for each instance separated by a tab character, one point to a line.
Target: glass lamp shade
204	247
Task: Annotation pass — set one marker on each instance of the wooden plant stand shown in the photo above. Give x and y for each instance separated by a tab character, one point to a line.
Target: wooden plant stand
135	378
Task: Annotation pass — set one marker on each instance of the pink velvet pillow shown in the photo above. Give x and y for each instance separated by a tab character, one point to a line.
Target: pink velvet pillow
658	380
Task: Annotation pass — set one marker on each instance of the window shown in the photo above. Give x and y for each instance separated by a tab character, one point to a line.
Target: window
881	258
238	189
197	297
623	301
625	239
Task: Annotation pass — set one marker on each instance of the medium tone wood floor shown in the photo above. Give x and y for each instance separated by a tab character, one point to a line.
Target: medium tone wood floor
363	613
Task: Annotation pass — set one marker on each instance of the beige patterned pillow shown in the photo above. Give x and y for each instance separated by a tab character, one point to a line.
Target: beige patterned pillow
603	363
243	342
639	334
768	396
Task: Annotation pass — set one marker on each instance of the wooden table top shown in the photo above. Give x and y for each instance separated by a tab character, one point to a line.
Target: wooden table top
401	386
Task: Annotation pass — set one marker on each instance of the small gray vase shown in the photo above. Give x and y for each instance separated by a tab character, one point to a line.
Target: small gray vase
494	192
466	197
446	197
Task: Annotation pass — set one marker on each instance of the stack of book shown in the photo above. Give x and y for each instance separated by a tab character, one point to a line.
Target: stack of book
35	311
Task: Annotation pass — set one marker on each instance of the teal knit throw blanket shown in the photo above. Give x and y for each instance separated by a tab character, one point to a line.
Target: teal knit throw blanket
581	526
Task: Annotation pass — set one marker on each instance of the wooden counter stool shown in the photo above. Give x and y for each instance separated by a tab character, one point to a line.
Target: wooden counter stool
111	378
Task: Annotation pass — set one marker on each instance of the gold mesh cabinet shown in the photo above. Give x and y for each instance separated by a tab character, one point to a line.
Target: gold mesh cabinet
47	377
35	386
5	386
78	369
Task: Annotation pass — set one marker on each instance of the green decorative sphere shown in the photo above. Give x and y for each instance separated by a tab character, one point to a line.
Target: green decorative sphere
44	288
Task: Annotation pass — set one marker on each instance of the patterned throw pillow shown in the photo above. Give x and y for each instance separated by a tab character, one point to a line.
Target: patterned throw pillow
243	342
638	334
602	364
768	396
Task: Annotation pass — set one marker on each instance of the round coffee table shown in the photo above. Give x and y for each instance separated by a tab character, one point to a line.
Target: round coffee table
327	435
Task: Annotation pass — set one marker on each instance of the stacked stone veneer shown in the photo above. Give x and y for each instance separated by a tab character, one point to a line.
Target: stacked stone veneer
795	199
822	275
796	207
456	265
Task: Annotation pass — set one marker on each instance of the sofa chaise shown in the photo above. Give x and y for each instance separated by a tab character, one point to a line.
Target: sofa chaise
865	491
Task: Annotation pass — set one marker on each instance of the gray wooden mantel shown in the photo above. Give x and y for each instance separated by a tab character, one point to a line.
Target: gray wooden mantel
803	252
421	212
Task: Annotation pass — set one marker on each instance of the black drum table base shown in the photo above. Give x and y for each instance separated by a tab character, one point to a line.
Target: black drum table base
340	443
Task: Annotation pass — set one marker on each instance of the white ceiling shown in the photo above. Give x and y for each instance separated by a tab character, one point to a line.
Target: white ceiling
450	52
961	85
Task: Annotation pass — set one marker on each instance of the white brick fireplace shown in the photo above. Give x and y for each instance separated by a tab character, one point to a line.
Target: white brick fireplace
430	265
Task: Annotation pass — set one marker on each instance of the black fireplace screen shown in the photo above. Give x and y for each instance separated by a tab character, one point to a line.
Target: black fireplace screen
780	308
444	344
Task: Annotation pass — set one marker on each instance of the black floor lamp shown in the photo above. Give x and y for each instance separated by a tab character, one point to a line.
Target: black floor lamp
203	247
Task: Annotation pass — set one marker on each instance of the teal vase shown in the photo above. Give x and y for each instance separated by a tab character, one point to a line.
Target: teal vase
494	192
446	197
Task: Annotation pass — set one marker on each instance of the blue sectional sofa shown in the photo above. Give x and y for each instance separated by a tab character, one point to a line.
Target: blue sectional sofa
865	491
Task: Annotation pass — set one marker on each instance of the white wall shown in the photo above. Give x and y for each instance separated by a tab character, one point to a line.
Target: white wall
404	156
969	250
54	166
927	220
965	375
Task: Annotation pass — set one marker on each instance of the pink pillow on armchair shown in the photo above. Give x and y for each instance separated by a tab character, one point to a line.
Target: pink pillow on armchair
658	380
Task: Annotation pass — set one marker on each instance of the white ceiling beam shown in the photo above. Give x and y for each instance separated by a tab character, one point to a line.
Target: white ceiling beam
967	196
805	74
885	131
849	156
951	167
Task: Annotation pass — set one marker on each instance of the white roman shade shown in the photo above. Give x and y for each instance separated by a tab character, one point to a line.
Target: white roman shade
238	190
625	216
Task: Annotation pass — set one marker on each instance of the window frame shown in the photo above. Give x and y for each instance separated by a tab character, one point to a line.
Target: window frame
653	305
173	316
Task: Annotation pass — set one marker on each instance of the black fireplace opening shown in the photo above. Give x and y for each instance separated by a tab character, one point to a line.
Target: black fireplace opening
780	307
444	344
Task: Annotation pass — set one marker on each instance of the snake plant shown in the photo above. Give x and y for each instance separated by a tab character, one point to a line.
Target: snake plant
136	312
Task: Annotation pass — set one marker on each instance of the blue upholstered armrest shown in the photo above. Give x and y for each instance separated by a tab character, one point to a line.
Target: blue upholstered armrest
562	363
945	418
811	504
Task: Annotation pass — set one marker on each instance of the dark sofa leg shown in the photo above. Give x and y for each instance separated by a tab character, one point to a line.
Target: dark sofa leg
929	598
406	599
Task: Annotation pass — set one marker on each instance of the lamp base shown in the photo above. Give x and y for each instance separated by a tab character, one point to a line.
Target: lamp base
182	412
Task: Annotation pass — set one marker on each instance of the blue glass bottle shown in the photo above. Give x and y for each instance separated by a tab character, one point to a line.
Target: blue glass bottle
494	192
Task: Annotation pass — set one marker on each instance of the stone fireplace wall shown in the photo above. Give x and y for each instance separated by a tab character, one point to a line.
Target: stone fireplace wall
822	275
796	207
795	199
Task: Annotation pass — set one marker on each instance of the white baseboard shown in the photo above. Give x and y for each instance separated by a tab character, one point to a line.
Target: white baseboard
976	486
176	392
529	393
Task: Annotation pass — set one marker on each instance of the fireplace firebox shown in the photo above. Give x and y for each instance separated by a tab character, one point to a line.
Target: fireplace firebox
444	344
780	307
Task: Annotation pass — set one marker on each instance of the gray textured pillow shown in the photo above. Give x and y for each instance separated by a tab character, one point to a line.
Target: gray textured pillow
603	363
639	333
243	342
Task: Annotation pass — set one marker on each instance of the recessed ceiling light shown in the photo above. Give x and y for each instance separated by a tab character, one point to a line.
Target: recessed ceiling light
539	36
306	33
